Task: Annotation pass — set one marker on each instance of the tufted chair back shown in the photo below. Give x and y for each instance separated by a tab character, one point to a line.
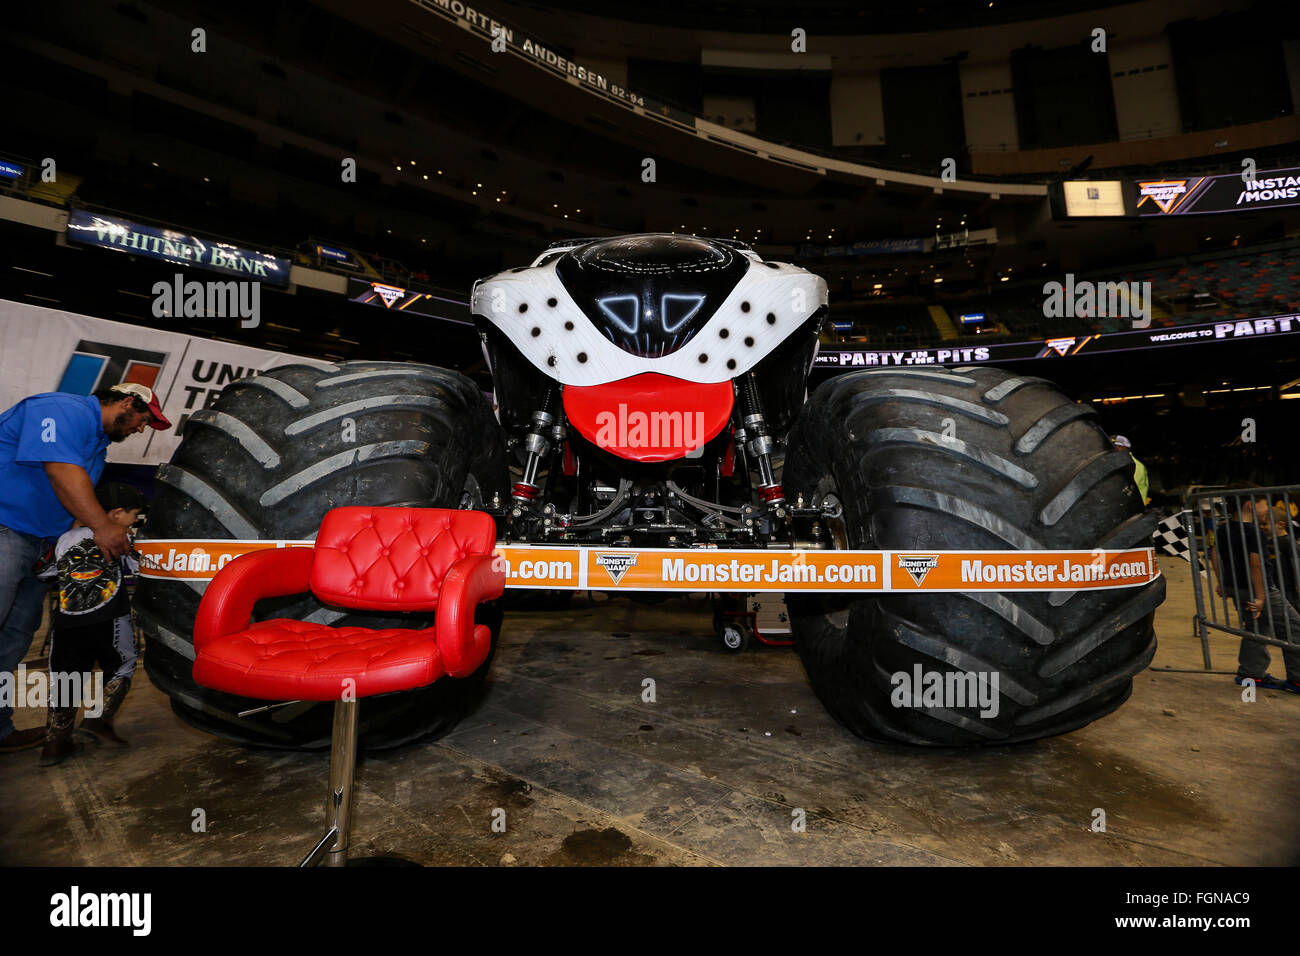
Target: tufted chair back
394	559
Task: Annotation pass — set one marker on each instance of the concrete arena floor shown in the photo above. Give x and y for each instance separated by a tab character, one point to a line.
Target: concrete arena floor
711	773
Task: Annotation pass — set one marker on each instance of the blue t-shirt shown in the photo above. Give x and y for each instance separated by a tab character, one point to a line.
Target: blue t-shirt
53	426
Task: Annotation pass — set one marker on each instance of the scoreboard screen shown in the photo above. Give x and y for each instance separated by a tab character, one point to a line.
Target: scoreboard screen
1231	192
1100	197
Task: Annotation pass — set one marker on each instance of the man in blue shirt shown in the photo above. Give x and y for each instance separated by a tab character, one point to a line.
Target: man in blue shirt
52	452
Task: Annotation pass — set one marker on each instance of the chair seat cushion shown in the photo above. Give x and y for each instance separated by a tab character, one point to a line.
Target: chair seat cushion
285	659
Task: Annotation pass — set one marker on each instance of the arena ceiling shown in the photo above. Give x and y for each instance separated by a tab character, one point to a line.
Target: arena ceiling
828	16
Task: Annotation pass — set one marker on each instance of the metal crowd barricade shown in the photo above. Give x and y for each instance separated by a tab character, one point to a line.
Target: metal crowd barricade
1211	514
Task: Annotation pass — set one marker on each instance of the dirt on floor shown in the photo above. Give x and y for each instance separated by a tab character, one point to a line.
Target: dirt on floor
734	762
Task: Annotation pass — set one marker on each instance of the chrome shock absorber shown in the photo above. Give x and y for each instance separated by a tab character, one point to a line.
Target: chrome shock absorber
537	443
758	441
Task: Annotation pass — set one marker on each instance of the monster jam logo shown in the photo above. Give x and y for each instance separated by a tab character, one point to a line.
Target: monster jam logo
918	565
1165	193
616	565
389	293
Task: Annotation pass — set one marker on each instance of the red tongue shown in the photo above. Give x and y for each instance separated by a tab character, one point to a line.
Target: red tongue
649	417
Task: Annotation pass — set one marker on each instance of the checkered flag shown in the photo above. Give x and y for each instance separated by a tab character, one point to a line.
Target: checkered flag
1170	537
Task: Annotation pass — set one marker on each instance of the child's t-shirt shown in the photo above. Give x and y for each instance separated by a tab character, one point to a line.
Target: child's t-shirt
91	589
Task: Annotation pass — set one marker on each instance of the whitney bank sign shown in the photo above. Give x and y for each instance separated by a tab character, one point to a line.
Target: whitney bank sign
110	232
490	28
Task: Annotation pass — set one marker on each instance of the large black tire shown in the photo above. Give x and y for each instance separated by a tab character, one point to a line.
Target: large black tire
267	460
1023	468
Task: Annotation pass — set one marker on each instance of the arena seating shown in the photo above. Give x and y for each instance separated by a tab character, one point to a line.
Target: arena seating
1238	284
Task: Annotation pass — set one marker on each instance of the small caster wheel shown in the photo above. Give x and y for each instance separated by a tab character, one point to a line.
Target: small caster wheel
735	636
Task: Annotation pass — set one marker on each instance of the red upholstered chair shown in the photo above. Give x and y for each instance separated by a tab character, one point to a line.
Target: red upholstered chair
371	559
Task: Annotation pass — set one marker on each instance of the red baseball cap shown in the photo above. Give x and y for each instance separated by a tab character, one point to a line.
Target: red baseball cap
146	395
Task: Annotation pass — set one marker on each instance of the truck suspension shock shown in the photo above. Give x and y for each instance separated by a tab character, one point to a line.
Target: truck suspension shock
757	439
537	443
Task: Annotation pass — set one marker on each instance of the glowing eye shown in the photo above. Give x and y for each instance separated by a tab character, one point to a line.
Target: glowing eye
622	311
679	309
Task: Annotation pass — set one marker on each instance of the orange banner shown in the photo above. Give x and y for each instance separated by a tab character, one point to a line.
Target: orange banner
706	569
1021	570
196	560
744	571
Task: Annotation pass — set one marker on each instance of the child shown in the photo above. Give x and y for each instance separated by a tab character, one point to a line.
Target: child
92	623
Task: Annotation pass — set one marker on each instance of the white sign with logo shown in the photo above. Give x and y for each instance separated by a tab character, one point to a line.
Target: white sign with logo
46	350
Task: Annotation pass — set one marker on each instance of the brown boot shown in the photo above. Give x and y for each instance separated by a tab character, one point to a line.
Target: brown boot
59	744
102	726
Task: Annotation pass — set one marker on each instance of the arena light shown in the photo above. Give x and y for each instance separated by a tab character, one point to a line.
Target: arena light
1117	399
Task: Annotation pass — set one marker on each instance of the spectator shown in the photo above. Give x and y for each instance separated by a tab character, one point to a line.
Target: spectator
1289	515
1285	555
1139	469
92	624
1243	576
52	451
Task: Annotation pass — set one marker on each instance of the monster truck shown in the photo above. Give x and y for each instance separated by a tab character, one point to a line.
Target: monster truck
719	344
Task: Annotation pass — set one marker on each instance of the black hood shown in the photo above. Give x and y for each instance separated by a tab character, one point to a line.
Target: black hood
650	294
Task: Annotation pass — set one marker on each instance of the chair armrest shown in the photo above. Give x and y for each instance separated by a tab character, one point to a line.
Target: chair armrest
470	581
227	605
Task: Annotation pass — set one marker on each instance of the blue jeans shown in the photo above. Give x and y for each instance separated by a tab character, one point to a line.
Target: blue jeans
20	605
1253	659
